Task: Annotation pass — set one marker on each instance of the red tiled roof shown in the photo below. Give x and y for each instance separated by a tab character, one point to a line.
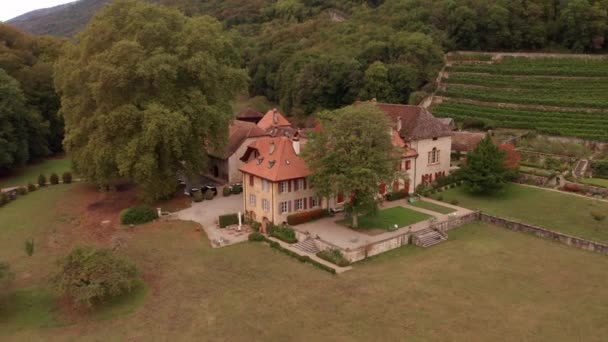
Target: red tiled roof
277	160
249	113
268	121
398	142
238	132
416	122
466	141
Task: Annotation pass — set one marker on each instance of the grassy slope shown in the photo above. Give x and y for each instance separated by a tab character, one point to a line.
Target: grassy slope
388	217
596	181
31	172
489	290
549	209
433	207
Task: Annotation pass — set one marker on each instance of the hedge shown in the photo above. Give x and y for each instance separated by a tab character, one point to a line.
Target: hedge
258	237
138	215
299	218
228	219
283	233
396	195
66	177
334	256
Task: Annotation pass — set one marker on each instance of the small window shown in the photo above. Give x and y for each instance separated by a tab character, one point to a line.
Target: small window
314	201
283	207
265	185
266	205
283	186
434	156
252	200
298	204
300	183
408	164
251	182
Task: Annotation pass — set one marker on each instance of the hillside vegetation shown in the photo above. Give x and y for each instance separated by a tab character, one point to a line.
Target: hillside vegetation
559	96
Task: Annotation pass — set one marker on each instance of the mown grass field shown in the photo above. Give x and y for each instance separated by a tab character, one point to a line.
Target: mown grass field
579	86
484	283
433	207
387	218
30	173
549	209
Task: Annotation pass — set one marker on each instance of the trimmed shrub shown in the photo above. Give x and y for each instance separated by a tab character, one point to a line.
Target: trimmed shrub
31	187
54	179
440	198
226	191
396	195
22	191
572	187
598	216
66	177
283	233
236	189
255	226
198	197
302	258
209	195
334	256
90	276
29	247
256	237
138	215
299	218
454	202
228	219
4	199
41	180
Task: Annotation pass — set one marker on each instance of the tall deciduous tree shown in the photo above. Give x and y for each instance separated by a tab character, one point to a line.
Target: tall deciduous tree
485	170
145	93
352	154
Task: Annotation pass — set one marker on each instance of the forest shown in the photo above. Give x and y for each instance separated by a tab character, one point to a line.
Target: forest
308	55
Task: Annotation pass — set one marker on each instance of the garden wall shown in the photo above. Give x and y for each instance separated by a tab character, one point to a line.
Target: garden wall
369	250
546	234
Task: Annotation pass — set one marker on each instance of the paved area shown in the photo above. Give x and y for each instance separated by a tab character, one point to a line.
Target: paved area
328	230
207	212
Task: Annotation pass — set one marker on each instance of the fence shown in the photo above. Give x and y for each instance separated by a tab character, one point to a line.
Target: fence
546	234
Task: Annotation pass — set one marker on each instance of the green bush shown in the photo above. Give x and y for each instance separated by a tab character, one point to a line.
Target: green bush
283	233
440	198
334	256
302	258
66	177
237	189
256	237
228	219
255	226
198	197
138	215
209	195
22	191
226	191
31	187
396	195
4	199
29	247
41	180
454	202
54	179
598	216
91	276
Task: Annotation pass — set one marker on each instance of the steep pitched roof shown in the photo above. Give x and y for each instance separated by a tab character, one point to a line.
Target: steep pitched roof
416	122
273	118
238	132
276	161
466	141
249	113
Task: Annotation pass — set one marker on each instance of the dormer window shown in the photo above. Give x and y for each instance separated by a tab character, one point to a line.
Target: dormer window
271	163
259	160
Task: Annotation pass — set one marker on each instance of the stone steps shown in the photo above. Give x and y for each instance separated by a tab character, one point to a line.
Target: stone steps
581	168
307	246
428	238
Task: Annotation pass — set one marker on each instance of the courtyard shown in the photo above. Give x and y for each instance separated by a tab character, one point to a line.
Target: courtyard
480	285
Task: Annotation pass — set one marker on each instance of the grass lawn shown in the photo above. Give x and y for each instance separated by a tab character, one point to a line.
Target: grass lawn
489	290
596	181
433	207
30	173
387	218
549	209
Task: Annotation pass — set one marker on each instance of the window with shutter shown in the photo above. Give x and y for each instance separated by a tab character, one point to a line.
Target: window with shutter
305	203
296	185
289	186
304	182
251	180
289	206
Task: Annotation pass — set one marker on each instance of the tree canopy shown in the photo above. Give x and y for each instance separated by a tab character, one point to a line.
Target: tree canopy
485	170
352	154
145	93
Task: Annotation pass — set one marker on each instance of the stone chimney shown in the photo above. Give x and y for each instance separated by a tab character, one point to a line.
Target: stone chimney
296	145
275	116
399	125
271	149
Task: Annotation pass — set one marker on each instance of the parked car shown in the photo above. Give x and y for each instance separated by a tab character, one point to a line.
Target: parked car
207	188
236	188
191	191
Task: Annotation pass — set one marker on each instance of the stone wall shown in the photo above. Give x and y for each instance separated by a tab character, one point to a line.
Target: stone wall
455	222
546	234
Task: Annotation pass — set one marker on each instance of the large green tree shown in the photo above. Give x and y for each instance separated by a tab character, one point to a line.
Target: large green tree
352	154
145	93
20	127
485	170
